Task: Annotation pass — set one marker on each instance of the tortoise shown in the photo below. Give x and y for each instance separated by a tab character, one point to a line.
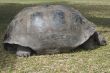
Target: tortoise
50	29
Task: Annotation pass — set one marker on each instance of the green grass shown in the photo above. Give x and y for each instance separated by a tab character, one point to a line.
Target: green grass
80	61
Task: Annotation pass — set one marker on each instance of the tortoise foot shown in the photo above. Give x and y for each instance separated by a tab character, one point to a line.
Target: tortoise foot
23	51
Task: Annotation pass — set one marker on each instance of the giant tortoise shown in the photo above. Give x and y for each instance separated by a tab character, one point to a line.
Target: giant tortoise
50	29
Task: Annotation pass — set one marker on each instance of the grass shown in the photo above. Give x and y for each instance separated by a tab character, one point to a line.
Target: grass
80	61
